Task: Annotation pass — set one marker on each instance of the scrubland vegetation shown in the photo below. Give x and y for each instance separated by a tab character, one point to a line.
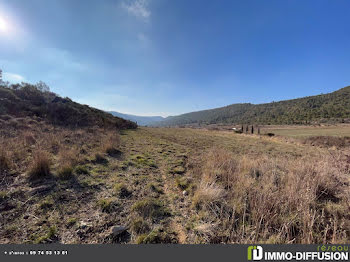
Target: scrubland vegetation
100	184
272	200
169	186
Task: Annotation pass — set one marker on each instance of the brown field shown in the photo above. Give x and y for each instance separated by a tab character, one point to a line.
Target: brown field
170	185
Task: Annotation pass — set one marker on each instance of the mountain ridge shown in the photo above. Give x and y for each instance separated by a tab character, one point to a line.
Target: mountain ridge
334	106
140	120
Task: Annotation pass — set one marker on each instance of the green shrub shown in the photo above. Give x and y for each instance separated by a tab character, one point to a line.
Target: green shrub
150	208
81	170
71	222
141	160
107	205
183	183
121	190
3	196
141	238
46	204
140	226
100	159
178	170
155	188
65	173
51	234
157	236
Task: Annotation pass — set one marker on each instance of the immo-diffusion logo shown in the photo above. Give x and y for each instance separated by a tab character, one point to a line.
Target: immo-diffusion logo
332	253
255	253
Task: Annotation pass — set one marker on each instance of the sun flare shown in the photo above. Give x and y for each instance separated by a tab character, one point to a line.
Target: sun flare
3	25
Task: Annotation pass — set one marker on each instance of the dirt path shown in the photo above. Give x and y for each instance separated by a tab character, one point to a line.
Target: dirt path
170	159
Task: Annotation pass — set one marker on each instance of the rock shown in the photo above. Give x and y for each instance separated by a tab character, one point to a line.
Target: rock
184	193
84	225
118	230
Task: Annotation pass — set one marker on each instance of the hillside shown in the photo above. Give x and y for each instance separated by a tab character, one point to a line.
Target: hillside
321	108
29	101
140	120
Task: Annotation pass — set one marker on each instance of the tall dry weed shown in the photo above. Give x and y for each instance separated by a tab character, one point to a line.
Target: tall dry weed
110	143
40	166
273	200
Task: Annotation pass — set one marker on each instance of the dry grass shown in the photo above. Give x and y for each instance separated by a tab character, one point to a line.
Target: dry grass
248	189
69	157
328	141
40	166
65	172
4	161
273	200
111	143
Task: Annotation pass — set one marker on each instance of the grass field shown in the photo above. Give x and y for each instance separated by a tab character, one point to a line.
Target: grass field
306	131
170	185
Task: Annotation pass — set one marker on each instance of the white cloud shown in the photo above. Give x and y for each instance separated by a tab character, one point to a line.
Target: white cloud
138	8
13	78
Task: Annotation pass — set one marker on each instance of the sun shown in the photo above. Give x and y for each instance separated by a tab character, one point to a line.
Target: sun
3	25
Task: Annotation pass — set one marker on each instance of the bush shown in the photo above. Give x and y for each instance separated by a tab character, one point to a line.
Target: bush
100	159
46	204
140	226
40	167
51	234
4	161
81	170
3	196
157	236
69	157
140	239
111	143
155	188
150	208
65	173
121	190
71	222
107	205
182	183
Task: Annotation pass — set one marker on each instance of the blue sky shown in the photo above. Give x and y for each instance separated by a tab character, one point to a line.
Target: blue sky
166	57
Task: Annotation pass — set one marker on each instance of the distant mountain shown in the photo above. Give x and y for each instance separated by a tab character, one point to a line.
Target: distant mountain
332	107
140	120
28	100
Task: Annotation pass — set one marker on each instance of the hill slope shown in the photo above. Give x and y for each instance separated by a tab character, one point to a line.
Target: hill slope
321	108
27	100
140	120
